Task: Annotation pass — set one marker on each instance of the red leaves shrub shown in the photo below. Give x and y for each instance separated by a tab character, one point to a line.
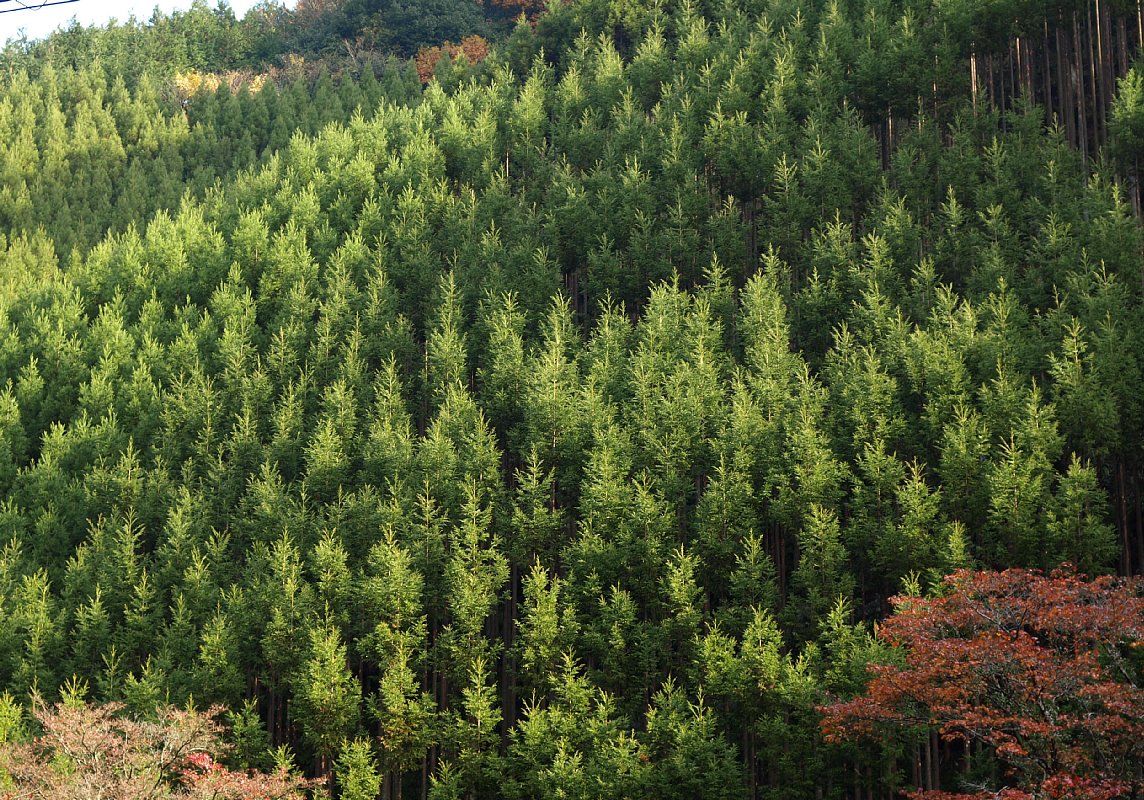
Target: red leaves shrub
90	751
1044	672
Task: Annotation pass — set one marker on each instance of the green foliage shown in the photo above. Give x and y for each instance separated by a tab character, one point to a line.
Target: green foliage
11	719
328	696
357	773
557	429
1126	123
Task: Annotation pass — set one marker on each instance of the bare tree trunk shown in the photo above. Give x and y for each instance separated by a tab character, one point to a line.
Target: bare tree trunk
1108	63
1010	91
935	71
917	768
1136	202
1139	568
1064	87
927	763
754	762
1101	48
1079	89
778	552
1023	88
973	79
989	82
1139	23
1105	53
1030	64
1122	508
1093	80
935	760
1047	78
1122	51
1025	68
507	673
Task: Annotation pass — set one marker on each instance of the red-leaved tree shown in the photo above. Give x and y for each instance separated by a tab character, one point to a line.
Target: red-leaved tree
1040	673
86	751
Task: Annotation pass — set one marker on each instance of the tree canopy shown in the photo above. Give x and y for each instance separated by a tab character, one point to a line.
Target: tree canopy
554	405
1039	676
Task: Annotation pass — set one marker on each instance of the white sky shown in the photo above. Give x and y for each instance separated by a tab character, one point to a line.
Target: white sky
39	22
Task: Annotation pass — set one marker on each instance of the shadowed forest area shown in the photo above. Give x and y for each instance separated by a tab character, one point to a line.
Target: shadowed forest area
523	400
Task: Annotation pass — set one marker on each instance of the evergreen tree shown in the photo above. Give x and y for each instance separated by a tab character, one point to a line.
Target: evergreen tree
327	697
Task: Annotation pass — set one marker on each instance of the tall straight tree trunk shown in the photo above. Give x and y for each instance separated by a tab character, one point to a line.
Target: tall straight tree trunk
935	760
1022	61
1047	66
1105	55
1064	87
1136	200
1122	508
1122	50
1025	68
753	758
1101	47
1109	61
973	79
1093	79
1079	87
927	762
1009	91
935	73
1031	67
989	80
1139	508
1140	23
508	674
777	548
916	765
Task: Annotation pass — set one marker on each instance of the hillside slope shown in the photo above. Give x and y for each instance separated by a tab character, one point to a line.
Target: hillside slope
561	427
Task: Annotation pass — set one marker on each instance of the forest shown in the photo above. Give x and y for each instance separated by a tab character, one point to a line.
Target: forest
591	399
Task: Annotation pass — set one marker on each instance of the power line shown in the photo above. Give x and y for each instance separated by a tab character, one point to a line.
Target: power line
33	7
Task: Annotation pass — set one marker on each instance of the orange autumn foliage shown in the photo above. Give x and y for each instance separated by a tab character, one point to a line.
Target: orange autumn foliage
1042	671
84	751
474	48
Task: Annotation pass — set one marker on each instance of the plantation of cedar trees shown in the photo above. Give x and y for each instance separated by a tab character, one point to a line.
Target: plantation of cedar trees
591	399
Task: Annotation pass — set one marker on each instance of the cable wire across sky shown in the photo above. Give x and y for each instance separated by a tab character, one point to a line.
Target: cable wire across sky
32	6
56	14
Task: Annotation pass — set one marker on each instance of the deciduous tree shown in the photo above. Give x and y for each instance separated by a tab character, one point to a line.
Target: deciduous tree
1041	673
93	751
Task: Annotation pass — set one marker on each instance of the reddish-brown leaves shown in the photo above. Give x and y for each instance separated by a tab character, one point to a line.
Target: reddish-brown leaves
1040	670
474	48
87	751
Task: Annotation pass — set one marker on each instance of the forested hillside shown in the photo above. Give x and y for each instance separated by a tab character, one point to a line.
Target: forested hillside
562	426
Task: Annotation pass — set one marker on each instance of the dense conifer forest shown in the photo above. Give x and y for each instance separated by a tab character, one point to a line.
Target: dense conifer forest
521	400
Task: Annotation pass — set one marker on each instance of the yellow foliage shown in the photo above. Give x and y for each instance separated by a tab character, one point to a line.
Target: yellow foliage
188	84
